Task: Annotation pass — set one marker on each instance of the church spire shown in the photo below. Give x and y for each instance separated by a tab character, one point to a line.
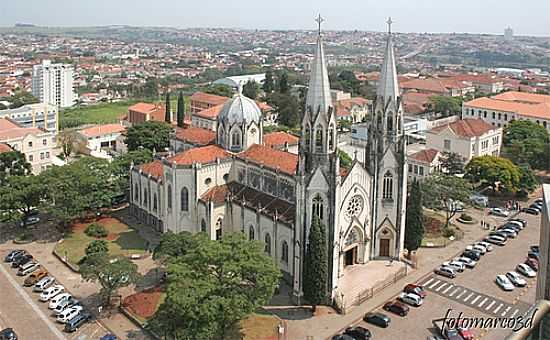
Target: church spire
388	87
318	94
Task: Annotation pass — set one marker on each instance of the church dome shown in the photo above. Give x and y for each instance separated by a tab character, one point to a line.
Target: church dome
238	110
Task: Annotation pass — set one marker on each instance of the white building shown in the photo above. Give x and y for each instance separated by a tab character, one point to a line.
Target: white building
423	163
101	139
467	137
41	115
53	83
238	81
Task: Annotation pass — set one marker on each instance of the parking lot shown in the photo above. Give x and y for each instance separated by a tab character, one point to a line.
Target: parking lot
30	318
473	292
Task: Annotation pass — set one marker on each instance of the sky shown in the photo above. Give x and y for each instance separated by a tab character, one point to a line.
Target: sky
526	17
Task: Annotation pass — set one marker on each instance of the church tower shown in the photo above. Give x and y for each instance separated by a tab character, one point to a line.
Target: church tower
318	170
385	159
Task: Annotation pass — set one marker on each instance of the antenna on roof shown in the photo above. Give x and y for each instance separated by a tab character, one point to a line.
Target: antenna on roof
319	21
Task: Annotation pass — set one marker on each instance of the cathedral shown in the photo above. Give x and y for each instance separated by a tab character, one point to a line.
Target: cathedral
238	183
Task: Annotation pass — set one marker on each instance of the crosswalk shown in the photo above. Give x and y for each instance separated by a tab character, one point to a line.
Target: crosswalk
484	303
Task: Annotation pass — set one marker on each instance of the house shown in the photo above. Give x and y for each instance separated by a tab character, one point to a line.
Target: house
354	109
423	163
282	141
467	137
201	101
144	112
101	139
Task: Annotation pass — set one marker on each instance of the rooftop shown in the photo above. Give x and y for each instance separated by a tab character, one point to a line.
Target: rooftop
526	106
209	98
195	135
155	169
102	130
276	139
425	156
11	130
271	158
466	128
5	148
203	154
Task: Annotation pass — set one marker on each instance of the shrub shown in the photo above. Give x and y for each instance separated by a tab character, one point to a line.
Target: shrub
97	246
96	230
448	232
466	217
24	236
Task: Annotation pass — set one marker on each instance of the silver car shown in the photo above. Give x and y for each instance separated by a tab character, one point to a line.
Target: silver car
468	262
44	283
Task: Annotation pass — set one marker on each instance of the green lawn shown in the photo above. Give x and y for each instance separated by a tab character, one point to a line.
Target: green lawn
122	240
103	113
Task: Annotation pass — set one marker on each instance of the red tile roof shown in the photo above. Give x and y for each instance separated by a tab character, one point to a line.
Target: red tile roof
211	113
155	169
216	194
271	158
211	99
10	129
278	139
425	156
431	85
203	154
344	107
467	127
5	148
195	135
540	110
143	108
523	97
101	130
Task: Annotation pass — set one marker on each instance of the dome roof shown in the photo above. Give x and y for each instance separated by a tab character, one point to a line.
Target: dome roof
240	109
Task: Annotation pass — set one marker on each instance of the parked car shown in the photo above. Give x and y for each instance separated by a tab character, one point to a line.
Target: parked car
358	333
446	271
536	207
466	333
35	277
525	270
516	279
499	241
499	233
516	228
533	255
342	337
499	212
13	254
64	304
51	292
30	221
415	289
21	260
535	249
504	283
396	307
456	265
68	314
452	334
521	224
80	319
44	283
411	299
378	319
8	334
519	220
534	264
530	211
108	336
480	249
56	300
28	268
509	232
468	262
471	255
487	245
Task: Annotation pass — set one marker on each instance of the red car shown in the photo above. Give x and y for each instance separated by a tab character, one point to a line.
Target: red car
396	307
466	333
415	289
534	264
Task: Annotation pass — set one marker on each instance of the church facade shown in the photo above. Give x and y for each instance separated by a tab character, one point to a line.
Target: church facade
237	183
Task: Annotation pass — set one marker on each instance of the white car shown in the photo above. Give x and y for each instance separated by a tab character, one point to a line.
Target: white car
499	212
68	314
487	246
411	299
525	270
56	300
516	279
518	223
51	292
457	265
481	249
468	262
504	283
510	232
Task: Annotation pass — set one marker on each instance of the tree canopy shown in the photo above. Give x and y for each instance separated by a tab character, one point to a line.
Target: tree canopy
181	110
448	106
493	170
251	89
526	142
269	84
453	163
414	221
151	135
120	165
316	265
220	90
19	196
13	163
441	191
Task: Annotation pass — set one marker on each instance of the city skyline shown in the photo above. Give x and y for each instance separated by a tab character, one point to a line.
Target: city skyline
426	16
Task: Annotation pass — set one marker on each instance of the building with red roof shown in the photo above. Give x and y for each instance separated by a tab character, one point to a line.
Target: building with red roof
423	163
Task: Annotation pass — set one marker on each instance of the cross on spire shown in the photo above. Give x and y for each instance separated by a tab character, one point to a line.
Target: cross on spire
319	21
389	22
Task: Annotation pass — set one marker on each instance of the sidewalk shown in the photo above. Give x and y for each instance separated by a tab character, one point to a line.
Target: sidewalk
323	327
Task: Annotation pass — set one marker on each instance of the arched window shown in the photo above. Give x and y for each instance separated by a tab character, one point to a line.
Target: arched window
387	192
319	139
184	199
379	122
145	196
136	193
331	137
155	204
268	244
169	200
390	123
317	207
307	136
203	225
208	181
221	135
219	225
251	233
236	139
284	252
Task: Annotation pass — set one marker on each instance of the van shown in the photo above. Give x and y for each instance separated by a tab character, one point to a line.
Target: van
28	268
35	277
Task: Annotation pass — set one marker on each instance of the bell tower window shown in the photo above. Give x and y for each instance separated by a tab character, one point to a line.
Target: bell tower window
317	207
307	136
236	139
389	124
387	192
319	139
331	137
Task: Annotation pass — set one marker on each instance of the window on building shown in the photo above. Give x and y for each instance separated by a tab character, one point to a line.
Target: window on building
136	193
387	192
203	225
308	136
421	171
184	199
494	115
30	144
155	202
31	158
410	168
208	181
268	244
484	114
47	154
319	139
447	144
331	137
389	123
506	116
219	225
317	207
226	177
284	252
44	142
416	169
236	139
169	200
499	116
41	155
251	233
145	194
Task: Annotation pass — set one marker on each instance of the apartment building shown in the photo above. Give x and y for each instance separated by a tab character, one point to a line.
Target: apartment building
467	137
53	83
501	109
35	143
42	115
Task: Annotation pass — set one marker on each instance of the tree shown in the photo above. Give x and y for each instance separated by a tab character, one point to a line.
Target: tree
167	114
452	162
181	110
151	88
526	142
21	98
448	106
316	265
19	196
151	135
251	89
172	246
120	166
287	107
97	247
528	181
13	163
283	85
494	171
345	160
212	285
268	85
441	192
67	140
414	220
220	90
110	273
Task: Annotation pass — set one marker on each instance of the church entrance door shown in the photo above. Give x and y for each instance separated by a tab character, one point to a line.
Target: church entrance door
350	257
385	247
